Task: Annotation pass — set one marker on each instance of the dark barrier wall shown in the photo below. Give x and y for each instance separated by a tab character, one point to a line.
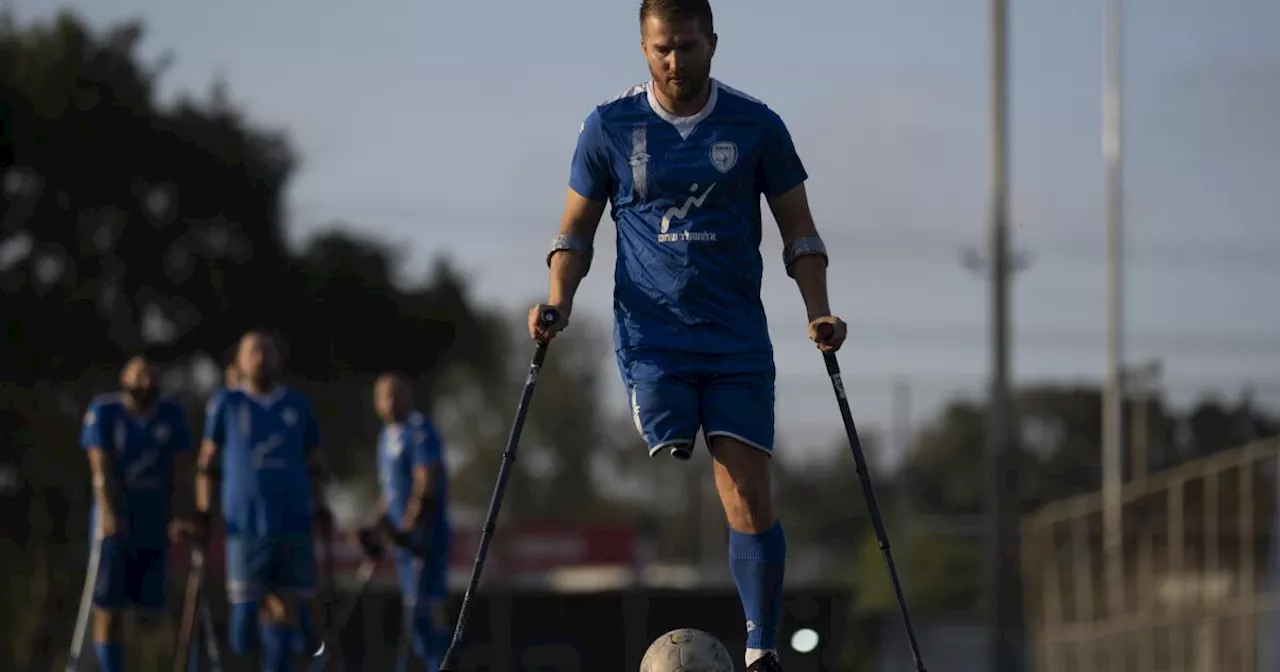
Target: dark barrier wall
598	632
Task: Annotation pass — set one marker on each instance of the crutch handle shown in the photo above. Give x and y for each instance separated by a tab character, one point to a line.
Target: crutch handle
549	316
825	332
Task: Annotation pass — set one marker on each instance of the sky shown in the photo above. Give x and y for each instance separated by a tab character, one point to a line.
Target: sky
447	128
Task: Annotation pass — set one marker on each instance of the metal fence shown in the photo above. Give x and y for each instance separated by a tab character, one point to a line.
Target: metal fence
1200	565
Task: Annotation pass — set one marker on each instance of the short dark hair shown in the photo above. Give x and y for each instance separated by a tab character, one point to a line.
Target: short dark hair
672	11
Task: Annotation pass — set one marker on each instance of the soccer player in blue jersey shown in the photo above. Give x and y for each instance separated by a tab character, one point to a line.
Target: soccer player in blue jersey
133	440
684	160
262	439
415	516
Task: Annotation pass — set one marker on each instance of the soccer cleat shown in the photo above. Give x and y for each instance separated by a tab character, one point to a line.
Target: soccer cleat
768	663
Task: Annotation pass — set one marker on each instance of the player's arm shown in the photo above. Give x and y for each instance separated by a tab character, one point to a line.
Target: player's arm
804	253
208	458
421	498
206	475
572	249
105	487
425	493
782	177
569	259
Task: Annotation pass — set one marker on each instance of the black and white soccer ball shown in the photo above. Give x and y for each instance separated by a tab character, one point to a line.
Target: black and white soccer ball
686	650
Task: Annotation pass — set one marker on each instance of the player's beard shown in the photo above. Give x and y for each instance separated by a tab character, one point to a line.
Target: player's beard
141	397
690	86
263	381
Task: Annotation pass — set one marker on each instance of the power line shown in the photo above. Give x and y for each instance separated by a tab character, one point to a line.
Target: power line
942	336
1184	254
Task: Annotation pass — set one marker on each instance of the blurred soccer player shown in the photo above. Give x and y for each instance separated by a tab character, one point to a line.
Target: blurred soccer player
684	161
262	439
415	512
133	440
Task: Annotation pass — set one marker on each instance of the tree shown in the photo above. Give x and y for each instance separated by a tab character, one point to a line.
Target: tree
126	226
1058	456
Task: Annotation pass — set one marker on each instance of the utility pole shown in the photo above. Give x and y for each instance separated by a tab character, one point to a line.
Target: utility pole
1113	397
1006	646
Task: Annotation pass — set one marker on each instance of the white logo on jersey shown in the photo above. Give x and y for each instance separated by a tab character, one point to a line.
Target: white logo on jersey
395	446
161	433
121	435
639	160
682	212
289	416
724	156
261	454
635	412
136	475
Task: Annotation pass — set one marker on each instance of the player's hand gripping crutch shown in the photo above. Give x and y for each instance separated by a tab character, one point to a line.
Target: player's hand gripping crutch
825	332
549	317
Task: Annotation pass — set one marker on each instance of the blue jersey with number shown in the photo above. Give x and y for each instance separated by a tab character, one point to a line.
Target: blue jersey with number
685	195
141	448
265	443
401	448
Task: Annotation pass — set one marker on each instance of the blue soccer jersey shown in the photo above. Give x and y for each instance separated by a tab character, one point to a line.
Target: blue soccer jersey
685	194
141	448
401	448
265	444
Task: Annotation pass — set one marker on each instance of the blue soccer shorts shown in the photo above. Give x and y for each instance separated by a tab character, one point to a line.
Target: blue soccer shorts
424	585
278	565
425	579
130	576
674	394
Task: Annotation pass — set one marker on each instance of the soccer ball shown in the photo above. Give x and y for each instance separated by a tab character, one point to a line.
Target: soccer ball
686	650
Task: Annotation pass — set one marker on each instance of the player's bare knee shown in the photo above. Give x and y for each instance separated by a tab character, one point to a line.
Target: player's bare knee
107	625
742	480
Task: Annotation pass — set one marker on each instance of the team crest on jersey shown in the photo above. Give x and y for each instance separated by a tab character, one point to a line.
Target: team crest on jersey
289	416
161	433
724	156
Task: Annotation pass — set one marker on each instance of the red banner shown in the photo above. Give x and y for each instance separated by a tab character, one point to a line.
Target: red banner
523	549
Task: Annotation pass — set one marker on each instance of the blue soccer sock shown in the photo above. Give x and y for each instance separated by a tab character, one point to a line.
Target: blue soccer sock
758	562
307	633
277	647
110	658
243	627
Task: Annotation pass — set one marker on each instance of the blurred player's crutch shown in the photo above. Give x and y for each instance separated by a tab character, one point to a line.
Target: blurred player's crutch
329	631
450	663
192	615
211	648
86	607
364	576
825	331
